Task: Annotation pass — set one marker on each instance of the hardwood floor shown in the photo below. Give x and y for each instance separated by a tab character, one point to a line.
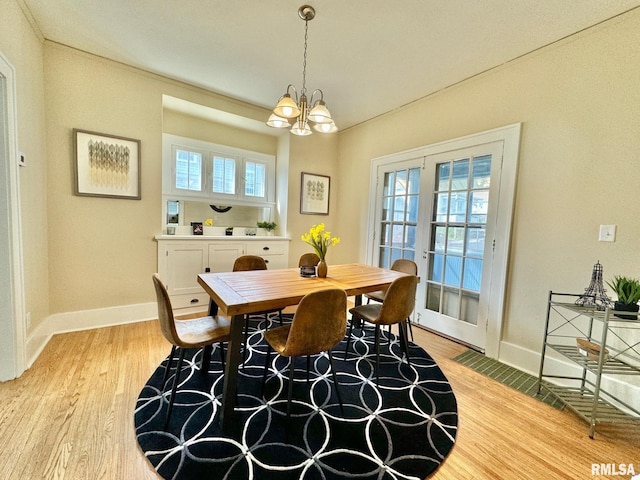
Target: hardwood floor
71	417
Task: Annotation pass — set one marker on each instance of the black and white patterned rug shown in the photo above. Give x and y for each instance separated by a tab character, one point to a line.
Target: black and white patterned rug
402	428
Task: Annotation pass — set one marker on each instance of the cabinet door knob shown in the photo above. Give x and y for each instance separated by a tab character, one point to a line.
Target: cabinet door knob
194	300
265	248
266	261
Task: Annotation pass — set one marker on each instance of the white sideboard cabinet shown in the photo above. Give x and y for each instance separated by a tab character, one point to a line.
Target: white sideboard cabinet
182	258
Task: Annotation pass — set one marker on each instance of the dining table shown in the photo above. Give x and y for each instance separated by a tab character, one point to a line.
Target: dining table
235	294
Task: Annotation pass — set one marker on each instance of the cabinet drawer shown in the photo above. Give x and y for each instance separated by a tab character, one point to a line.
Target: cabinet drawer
266	248
276	261
187	301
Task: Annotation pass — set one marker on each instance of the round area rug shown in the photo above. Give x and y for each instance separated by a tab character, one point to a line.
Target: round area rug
401	428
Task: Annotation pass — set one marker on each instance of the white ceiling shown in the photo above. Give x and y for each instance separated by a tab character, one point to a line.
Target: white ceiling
368	56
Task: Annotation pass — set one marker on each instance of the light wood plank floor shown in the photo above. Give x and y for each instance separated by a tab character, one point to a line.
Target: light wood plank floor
71	417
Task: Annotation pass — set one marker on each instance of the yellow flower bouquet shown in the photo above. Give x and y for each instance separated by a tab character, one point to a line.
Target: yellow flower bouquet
319	239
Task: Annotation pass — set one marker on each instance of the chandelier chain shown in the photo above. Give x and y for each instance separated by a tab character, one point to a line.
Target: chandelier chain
304	59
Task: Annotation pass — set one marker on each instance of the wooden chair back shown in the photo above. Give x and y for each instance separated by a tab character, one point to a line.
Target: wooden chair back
249	262
319	324
165	312
399	300
405	266
308	260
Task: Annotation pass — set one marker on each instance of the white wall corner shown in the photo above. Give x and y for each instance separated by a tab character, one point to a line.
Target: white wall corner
85	320
102	317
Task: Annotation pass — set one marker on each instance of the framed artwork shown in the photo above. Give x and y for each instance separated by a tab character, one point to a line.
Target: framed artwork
196	228
106	165
314	194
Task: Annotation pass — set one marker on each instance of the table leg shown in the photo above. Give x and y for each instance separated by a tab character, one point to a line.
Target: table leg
230	386
213	308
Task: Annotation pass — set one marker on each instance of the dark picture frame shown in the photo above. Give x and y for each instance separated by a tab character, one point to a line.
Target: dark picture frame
314	194
106	165
197	228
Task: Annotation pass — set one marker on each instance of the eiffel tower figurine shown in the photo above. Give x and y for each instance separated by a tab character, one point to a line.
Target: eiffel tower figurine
594	295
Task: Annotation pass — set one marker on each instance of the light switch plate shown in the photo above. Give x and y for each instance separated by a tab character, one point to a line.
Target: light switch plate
607	233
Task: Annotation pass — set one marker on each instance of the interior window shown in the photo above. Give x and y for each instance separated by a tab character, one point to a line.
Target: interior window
255	178
188	170
224	175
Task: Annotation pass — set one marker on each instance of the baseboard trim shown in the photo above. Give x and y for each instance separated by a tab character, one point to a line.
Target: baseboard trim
624	387
85	320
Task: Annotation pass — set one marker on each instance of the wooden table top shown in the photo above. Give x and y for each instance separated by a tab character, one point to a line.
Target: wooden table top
237	293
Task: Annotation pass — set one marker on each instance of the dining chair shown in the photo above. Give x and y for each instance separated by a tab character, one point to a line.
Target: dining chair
399	265
308	260
184	334
246	263
398	303
318	325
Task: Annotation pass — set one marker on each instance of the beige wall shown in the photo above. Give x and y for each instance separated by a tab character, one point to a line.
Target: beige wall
23	50
579	104
313	154
192	127
103	251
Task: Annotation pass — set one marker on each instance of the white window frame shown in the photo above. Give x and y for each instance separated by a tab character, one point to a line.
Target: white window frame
172	142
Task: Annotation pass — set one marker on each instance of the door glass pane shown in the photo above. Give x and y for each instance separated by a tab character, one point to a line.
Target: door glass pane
455	240
385	234
472	274
469	308
438	241
475	242
450	302
412	208
389	178
398	235
396	253
460	177
479	206
481	172
386	209
401	183
442	207
442	176
410	237
453	271
435	267
414	181
458	207
383	259
433	297
399	208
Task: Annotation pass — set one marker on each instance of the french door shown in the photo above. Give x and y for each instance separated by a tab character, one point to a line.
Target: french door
448	207
458	219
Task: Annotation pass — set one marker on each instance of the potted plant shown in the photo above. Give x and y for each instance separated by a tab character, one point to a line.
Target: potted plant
628	291
268	226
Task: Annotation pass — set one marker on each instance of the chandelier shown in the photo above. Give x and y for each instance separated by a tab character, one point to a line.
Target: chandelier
296	108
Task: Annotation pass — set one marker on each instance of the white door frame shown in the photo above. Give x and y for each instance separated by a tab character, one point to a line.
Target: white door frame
510	136
12	325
